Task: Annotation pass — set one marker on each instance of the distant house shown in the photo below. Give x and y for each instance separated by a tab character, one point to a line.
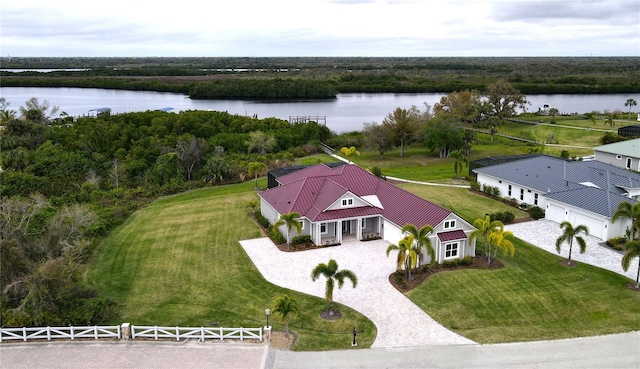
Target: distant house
580	192
348	202
624	154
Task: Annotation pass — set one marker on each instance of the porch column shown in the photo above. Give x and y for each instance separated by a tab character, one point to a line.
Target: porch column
339	231
317	236
359	229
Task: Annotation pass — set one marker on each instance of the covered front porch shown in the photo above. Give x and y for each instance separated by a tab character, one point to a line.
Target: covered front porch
336	231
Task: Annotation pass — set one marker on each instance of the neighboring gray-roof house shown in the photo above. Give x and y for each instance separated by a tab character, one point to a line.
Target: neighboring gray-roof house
349	202
581	192
624	154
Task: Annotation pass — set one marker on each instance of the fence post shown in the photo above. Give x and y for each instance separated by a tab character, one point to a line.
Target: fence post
127	331
177	334
71	332
48	333
267	334
24	334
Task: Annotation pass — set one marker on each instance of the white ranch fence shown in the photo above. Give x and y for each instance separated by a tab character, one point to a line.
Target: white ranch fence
201	333
49	333
116	332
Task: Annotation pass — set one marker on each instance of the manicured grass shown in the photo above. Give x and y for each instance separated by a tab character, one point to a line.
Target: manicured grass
533	297
179	262
461	201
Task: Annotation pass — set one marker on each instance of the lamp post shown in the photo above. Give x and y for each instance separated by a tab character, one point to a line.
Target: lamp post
354	337
267	311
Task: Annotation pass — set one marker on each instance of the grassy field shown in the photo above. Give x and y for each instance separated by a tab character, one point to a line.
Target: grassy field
178	262
533	297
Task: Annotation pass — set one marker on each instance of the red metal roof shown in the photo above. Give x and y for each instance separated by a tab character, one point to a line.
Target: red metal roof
310	191
453	235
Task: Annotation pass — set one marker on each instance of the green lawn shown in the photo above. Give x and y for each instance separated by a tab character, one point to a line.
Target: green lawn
533	297
178	262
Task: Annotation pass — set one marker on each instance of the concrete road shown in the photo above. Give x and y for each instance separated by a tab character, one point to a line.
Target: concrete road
619	351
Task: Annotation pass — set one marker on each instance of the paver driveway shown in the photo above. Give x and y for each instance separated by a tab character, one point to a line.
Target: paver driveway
374	297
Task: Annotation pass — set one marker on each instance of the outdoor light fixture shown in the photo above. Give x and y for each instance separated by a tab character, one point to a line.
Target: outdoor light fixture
354	337
267	311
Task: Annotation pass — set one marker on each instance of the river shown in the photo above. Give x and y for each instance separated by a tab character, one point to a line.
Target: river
348	112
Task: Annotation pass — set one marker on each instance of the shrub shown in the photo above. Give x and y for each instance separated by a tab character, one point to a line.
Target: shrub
305	238
536	212
378	173
616	243
495	191
276	236
505	217
262	220
475	185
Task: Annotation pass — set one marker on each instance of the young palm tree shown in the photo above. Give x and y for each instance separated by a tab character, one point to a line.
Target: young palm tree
571	232
407	255
287	308
483	228
421	240
255	167
608	120
591	116
460	162
497	240
331	272
291	221
632	249
349	152
632	212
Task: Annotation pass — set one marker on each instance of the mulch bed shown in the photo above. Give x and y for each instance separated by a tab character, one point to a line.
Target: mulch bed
336	315
568	263
479	262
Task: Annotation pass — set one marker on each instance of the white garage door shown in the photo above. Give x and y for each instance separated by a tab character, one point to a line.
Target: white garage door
391	233
555	213
596	226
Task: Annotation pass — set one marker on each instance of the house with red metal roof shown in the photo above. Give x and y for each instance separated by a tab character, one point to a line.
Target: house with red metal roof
348	202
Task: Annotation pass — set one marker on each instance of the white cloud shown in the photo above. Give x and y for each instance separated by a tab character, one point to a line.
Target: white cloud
320	28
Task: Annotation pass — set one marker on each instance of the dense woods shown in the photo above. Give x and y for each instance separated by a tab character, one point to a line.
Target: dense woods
268	78
64	184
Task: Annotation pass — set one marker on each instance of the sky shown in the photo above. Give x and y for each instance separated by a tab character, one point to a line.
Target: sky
373	28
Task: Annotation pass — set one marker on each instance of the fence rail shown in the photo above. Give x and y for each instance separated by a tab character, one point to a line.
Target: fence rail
49	333
200	333
116	331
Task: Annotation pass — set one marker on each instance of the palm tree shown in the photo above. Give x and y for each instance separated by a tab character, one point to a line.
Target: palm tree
497	240
287	308
331	272
626	210
469	137
291	221
460	161
483	228
630	103
571	232
255	167
407	255
421	240
591	116
632	249
349	152
608	120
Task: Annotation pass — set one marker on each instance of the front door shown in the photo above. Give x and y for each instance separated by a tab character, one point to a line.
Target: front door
346	226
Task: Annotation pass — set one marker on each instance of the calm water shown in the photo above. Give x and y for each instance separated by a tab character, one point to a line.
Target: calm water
346	113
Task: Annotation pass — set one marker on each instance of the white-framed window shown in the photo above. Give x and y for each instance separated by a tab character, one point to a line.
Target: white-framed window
522	194
535	199
363	223
451	250
347	201
628	163
450	224
509	191
301	224
619	157
323	228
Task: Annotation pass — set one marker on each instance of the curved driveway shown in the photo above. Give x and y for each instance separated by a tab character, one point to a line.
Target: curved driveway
374	297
